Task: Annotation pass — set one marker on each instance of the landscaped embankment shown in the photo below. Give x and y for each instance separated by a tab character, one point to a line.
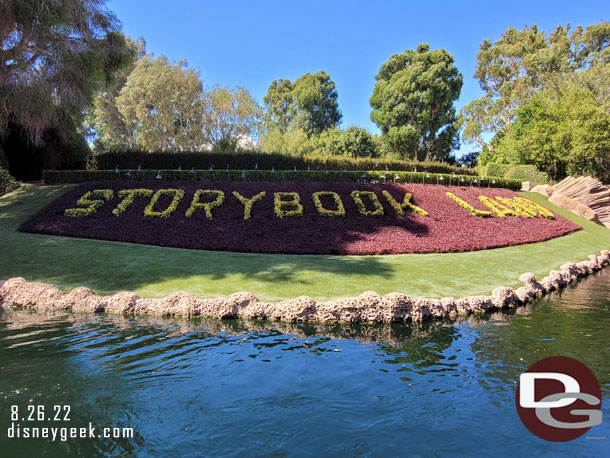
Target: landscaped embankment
151	271
369	307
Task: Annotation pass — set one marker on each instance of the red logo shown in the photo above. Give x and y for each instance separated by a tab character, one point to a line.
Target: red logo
559	399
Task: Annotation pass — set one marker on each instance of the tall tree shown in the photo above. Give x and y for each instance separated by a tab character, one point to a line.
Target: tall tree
161	103
55	55
512	69
315	96
279	104
106	123
413	103
309	104
231	116
561	131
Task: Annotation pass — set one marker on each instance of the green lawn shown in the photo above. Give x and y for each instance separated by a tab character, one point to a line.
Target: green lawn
108	267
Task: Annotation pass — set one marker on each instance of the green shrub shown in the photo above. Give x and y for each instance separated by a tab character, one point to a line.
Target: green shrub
265	161
7	182
494	169
528	173
80	176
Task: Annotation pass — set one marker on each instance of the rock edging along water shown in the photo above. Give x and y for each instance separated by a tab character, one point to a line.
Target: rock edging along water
368	307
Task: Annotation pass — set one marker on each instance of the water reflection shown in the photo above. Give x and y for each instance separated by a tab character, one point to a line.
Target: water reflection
255	388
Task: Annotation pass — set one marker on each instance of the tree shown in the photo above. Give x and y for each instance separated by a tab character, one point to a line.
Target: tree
309	104
107	125
294	142
161	105
315	97
519	64
562	132
413	103
280	107
54	57
358	142
469	159
230	115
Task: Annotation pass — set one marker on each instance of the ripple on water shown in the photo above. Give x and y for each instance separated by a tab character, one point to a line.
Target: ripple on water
254	388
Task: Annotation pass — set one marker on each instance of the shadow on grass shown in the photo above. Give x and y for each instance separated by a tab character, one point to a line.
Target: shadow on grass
108	267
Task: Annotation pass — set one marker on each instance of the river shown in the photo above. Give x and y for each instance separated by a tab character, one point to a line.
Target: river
256	388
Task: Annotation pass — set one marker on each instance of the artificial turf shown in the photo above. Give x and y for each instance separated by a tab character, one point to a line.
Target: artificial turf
108	267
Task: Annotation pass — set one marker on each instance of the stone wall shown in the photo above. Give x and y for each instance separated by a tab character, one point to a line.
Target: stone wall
368	307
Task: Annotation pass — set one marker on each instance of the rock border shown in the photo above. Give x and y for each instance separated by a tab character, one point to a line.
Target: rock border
369	307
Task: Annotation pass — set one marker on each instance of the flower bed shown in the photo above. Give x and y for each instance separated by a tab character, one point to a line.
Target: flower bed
299	218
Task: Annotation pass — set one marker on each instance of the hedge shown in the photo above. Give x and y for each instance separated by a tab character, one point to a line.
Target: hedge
7	182
528	173
80	176
497	170
250	160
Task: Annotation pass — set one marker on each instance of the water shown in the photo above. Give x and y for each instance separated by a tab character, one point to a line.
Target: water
246	388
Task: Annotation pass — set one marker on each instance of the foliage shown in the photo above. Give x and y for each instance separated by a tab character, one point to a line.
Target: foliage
473	211
91	205
499	209
469	159
360	205
413	103
129	196
525	207
406	204
263	161
280	108
521	62
219	198
54	56
161	105
106	123
562	132
249	203
497	170
291	200
175	194
309	104
528	173
317	201
292	143
230	115
315	97
7	182
109	268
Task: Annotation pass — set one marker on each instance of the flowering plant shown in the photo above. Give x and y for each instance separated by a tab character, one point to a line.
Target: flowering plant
175	194
91	206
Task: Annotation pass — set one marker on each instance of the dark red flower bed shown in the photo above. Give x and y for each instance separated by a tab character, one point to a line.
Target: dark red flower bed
447	228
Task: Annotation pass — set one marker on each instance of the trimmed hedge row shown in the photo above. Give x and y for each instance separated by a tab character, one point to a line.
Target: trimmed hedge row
528	173
250	161
80	176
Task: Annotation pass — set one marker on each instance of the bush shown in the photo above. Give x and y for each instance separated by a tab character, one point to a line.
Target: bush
81	176
265	161
494	169
528	173
7	182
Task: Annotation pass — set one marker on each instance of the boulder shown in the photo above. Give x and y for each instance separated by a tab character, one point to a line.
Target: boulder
573	206
544	189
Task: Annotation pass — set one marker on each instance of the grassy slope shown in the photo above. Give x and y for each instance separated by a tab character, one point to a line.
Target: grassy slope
108	267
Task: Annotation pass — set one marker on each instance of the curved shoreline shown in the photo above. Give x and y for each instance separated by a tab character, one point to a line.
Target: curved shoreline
369	307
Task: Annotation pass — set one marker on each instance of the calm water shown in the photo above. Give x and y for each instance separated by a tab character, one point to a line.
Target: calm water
242	388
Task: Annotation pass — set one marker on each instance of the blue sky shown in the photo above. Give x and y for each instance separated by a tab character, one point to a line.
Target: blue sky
250	43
